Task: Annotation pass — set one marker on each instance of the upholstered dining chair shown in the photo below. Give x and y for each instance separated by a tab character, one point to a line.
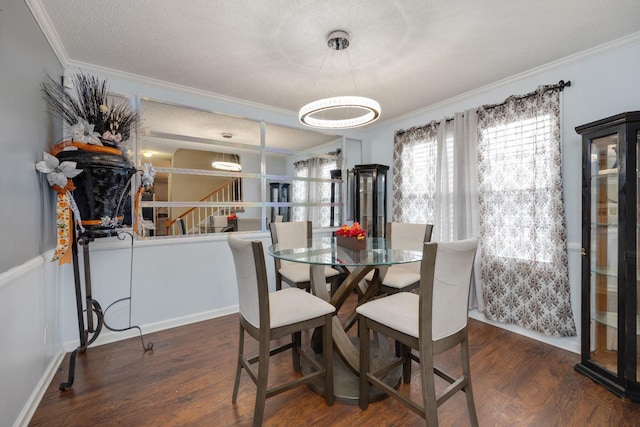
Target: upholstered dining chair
268	316
295	235
404	277
433	321
182	229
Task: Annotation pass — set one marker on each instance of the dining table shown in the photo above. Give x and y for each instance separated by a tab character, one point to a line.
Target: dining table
377	255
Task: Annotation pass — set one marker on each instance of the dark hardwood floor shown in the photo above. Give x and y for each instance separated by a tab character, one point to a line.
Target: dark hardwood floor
187	380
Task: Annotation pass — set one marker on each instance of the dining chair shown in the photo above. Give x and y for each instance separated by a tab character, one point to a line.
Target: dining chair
431	322
404	277
182	229
295	234
268	316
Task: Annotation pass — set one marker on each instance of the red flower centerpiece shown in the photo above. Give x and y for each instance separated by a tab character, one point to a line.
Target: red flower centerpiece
232	217
351	237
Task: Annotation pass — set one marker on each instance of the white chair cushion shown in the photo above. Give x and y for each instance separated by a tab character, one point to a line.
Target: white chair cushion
298	272
294	305
398	311
398	276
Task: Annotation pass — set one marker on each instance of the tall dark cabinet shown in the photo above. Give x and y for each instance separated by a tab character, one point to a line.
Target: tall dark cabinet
610	236
370	198
279	193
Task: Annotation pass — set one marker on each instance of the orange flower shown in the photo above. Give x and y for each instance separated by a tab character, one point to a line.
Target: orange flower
352	231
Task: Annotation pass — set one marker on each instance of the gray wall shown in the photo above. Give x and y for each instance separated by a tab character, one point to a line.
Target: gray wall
29	341
26	130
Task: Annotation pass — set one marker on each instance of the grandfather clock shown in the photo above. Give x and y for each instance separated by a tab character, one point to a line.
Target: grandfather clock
370	198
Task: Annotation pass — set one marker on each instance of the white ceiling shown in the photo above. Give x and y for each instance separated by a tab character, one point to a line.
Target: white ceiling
407	54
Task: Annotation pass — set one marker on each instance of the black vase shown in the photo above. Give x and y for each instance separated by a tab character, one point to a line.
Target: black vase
102	189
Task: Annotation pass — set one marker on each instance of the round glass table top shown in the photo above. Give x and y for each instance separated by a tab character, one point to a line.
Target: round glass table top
325	251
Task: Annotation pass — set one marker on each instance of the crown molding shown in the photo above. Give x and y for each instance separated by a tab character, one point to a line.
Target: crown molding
98	69
605	48
50	33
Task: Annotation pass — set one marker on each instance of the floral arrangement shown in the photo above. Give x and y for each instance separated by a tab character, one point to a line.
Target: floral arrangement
94	125
92	119
352	231
231	217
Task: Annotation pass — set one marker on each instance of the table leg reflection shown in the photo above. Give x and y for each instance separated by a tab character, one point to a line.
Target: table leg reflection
346	354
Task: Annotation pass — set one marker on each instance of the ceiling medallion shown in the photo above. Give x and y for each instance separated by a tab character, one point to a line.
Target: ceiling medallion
340	112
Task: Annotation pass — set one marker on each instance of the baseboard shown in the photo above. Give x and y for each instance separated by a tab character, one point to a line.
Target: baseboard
36	396
571	344
107	336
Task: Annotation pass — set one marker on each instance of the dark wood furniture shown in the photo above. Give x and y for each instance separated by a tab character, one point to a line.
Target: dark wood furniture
279	193
370	198
610	234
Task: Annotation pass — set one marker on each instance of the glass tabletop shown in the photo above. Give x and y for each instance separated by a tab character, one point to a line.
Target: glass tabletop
325	251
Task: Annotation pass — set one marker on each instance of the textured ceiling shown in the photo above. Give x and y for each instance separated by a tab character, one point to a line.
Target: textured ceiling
407	54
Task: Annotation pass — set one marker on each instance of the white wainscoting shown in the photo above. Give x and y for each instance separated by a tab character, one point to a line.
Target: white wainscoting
29	336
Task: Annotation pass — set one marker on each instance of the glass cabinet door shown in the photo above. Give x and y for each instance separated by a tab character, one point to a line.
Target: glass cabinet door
637	260
604	252
371	198
611	238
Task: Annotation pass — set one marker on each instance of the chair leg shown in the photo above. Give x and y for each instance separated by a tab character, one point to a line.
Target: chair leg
365	349
430	405
296	339
239	365
406	365
327	350
263	375
468	391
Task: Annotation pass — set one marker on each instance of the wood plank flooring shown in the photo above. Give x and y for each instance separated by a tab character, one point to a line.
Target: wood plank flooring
187	380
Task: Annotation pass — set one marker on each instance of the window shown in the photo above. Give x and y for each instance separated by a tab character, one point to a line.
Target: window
517	169
310	191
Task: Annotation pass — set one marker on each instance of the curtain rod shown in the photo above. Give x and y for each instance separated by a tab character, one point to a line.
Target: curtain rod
560	86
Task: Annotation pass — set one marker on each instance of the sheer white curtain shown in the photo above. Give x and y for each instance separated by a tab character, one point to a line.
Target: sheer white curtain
457	212
313	191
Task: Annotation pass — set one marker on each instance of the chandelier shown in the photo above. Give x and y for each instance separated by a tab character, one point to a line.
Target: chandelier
340	112
227	162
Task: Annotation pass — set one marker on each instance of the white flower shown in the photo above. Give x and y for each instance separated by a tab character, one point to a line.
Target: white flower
148	175
57	173
83	132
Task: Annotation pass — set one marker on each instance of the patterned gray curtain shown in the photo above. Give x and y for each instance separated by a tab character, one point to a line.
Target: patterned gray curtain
414	174
522	227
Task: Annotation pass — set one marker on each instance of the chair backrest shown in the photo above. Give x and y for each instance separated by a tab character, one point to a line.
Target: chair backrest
409	236
444	286
290	235
251	275
182	229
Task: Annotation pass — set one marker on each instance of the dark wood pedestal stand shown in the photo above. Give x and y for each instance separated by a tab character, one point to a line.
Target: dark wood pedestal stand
90	332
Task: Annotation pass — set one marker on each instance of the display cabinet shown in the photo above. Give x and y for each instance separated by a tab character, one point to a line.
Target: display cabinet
370	198
610	235
336	198
279	192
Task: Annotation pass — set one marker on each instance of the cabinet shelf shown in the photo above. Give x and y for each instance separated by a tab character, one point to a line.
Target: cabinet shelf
610	319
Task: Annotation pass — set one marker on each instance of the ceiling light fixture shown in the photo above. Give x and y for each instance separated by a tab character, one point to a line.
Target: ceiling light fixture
232	164
340	112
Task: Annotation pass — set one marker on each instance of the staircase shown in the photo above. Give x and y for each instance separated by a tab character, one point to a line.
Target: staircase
199	219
